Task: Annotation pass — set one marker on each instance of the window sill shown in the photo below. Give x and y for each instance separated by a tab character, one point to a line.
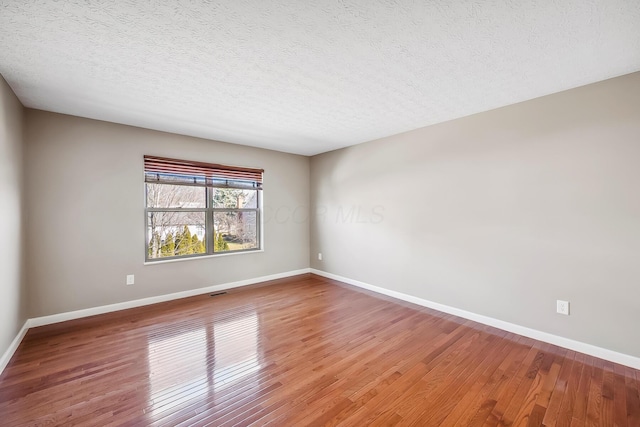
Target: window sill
165	261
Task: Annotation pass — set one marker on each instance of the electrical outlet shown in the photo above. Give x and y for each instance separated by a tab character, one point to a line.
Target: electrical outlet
562	307
319	256
130	279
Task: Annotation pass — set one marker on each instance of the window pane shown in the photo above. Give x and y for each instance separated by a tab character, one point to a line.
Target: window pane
234	198
175	196
175	234
235	231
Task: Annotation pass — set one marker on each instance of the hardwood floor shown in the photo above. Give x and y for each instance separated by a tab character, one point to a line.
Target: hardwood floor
304	351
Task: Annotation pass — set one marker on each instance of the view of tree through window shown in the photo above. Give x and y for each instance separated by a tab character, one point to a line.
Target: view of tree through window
207	217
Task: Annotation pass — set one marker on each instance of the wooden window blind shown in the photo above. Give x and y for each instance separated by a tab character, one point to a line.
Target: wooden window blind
162	170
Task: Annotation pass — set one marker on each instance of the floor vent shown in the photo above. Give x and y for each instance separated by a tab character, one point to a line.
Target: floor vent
217	293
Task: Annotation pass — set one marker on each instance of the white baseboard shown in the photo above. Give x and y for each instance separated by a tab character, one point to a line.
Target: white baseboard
71	315
603	353
592	350
6	357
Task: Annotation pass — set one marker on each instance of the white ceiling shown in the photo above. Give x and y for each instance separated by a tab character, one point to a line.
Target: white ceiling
306	76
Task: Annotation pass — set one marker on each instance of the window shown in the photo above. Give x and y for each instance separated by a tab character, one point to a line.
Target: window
195	209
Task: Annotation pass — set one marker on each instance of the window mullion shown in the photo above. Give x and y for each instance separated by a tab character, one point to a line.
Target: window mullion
209	232
176	209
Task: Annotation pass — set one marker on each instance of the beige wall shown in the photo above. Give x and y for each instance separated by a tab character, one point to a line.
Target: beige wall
500	213
12	283
85	206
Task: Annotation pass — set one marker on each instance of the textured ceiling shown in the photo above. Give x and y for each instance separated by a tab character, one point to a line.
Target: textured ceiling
306	77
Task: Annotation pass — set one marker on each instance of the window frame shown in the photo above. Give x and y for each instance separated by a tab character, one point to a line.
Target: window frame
209	212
